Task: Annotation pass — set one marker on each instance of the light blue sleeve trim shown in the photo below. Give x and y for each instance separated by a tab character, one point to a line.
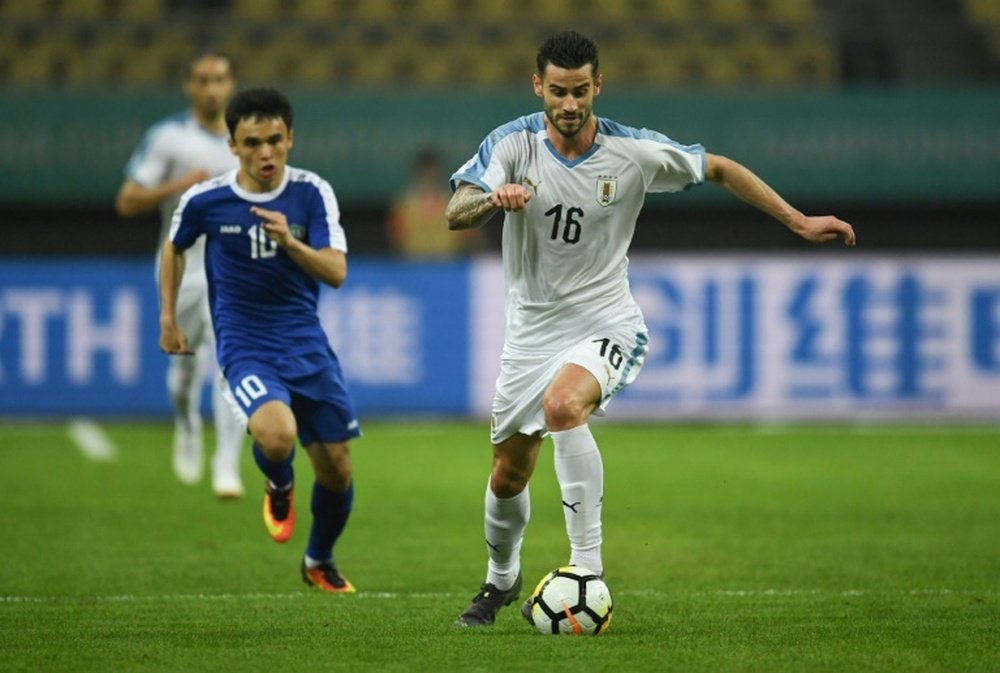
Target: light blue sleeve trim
473	170
614	129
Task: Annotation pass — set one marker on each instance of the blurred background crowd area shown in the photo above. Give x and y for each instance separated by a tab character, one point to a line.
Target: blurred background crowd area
439	43
883	112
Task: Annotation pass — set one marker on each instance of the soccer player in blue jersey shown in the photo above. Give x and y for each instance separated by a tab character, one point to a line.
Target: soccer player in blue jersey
572	186
272	235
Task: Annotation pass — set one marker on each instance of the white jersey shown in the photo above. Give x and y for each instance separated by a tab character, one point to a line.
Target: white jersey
565	254
170	149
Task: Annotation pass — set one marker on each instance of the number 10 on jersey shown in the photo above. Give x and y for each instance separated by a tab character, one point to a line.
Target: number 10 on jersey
261	246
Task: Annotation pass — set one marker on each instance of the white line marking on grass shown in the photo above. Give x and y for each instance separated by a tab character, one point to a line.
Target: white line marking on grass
92	441
445	595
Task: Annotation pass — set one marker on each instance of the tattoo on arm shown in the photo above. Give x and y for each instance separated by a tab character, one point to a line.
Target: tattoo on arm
469	207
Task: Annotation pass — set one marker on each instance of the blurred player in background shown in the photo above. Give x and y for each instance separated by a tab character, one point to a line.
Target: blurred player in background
175	154
272	234
572	185
416	214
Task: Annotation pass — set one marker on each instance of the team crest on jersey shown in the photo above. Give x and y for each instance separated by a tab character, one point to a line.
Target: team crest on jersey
607	188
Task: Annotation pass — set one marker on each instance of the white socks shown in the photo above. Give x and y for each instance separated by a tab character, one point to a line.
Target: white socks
581	479
506	519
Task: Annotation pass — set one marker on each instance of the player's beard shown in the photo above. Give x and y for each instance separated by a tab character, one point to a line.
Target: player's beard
581	121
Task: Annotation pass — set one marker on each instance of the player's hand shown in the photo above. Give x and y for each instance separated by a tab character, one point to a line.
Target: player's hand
275	225
511	197
823	229
173	341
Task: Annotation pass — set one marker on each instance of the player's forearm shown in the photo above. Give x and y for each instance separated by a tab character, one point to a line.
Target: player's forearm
744	184
327	265
171	273
468	208
134	199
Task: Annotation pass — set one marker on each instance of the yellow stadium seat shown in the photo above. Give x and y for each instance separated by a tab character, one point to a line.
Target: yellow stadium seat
983	11
40	64
317	10
789	11
726	11
82	10
23	10
258	10
100	63
375	11
142	10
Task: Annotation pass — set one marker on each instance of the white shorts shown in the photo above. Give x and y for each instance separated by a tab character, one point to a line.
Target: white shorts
614	356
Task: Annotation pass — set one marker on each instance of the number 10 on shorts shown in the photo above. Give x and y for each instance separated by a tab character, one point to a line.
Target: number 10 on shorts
250	389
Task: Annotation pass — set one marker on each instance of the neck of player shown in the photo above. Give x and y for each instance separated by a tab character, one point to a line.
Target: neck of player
577	144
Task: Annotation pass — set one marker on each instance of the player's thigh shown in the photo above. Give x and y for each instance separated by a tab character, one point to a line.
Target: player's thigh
569	399
261	401
613	357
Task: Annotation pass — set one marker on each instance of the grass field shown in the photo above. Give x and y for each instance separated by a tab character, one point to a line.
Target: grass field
727	549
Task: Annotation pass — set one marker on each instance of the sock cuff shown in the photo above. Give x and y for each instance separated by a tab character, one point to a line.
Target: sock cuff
511	504
576	441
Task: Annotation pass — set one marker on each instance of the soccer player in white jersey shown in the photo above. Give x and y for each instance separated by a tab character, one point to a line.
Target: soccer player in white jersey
272	234
174	154
572	185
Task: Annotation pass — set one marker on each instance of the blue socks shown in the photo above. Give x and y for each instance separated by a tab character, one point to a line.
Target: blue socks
278	472
330	511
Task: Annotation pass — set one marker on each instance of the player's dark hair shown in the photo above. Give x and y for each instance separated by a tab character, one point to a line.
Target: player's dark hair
568	49
254	104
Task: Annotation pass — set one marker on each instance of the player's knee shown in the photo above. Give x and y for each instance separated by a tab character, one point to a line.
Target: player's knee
562	412
509	479
276	443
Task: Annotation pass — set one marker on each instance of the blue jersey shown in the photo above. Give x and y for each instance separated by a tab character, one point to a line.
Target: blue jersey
263	304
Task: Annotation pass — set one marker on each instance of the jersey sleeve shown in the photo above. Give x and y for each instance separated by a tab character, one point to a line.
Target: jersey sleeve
491	167
325	230
150	162
187	224
668	166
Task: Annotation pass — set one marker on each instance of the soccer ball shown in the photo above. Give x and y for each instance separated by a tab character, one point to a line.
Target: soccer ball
571	600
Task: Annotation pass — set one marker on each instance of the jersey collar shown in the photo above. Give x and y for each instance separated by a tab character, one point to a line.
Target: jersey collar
259	197
570	163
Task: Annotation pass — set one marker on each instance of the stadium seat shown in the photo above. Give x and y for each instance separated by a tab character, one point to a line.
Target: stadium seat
41	63
317	10
671	12
101	62
789	11
983	11
159	58
374	11
81	10
726	11
23	10
142	10
257	10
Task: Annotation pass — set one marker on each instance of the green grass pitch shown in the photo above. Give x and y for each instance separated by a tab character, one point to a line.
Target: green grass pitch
727	548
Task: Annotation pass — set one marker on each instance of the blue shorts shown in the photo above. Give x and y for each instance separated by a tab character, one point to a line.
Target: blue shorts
312	386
